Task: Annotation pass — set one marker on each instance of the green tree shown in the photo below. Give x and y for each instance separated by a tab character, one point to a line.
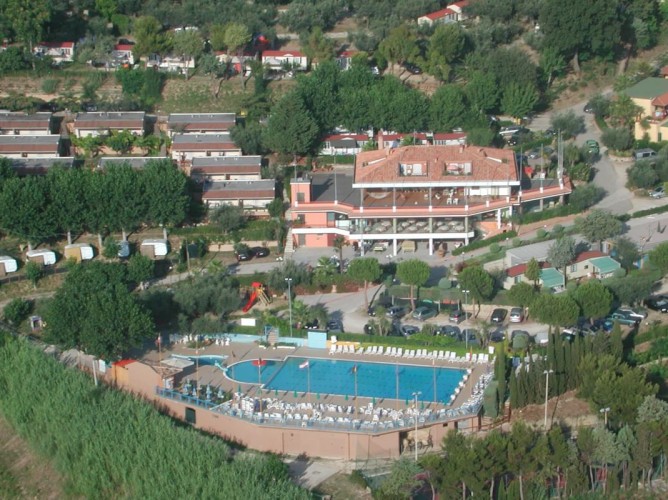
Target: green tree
107	8
568	123
555	310
632	288
402	481
27	19
598	225
626	252
17	311
399	46
482	91
317	46
658	256
623	111
413	272
594	299
149	38
166	186
121	141
25	211
340	242
229	218
33	272
642	175
519	100
552	63
562	252
366	270
448	108
532	271
446	46
188	44
140	268
291	128
68	203
522	294
478	282
617	139
123	184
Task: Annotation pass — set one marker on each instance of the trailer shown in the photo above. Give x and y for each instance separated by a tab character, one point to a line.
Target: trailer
45	257
154	248
7	265
79	251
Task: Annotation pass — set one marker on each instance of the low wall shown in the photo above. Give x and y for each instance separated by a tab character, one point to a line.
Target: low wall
229	247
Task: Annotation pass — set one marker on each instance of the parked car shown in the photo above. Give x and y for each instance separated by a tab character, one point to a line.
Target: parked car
448	331
412	69
516	315
622	319
498	315
123	249
658	192
602	325
657	303
498	335
244	255
592	146
636	314
396	312
260	251
408	330
334	326
311	324
422	313
457	316
469	335
588	108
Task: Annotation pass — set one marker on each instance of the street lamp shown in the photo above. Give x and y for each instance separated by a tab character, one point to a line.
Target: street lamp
289	282
605	412
547	391
415	438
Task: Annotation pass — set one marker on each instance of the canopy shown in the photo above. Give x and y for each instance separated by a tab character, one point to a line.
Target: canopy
551	278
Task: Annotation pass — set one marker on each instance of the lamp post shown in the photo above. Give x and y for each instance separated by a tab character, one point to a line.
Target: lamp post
415	438
289	282
605	412
547	392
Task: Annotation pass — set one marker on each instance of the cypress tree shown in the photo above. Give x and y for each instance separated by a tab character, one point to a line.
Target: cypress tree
514	391
616	342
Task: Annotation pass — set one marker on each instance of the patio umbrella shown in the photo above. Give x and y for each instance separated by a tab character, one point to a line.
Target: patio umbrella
276	392
346	397
294	394
373	401
317	396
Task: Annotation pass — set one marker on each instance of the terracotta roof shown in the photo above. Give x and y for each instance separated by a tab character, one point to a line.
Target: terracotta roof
520	269
438	164
338	137
347	53
23	121
29	144
56	45
440	14
661	100
124	362
449	136
590	254
111	119
123	47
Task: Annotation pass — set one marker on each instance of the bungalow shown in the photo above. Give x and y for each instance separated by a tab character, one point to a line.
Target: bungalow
234	62
155	249
122	54
449	139
24	124
58	51
79	251
7	265
227	168
29	146
136	162
250	195
45	257
102	123
40	166
344	144
651	95
200	123
394	140
453	13
172	64
279	59
185	147
345	59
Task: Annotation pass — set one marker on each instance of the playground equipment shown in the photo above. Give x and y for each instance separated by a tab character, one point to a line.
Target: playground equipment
257	294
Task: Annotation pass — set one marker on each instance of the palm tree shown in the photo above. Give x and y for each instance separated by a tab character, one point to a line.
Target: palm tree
339	243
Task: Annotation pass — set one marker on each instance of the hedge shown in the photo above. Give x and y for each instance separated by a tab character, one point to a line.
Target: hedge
650	211
486	242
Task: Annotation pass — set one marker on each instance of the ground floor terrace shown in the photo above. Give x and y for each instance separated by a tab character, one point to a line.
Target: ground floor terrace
332	403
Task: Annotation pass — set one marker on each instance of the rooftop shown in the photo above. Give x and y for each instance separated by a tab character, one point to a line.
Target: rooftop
176	119
435	165
29	140
24	121
227	161
110	119
240	189
180	139
133	161
31	166
649	88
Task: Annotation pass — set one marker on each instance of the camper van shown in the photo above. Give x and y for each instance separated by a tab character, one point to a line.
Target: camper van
155	249
44	257
7	265
79	251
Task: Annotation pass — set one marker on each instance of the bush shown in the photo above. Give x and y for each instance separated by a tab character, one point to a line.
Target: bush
617	139
517	242
541	233
483	243
494	248
557	229
569	123
642	175
50	85
17	311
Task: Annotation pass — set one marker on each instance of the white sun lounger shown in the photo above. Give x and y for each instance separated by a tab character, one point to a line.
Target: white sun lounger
441	355
400	352
393	351
474	358
332	349
381	349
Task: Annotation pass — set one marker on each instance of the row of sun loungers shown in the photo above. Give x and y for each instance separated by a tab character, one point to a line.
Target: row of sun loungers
398	352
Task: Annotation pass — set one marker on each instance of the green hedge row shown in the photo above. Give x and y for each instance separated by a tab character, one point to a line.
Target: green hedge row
108	444
649	211
483	243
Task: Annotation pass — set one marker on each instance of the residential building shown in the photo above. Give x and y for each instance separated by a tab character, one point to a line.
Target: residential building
344	144
171	64
185	147
279	59
651	94
25	124
123	55
252	196
430	195
453	13
102	123
40	166
226	168
200	123
30	146
136	162
59	51
345	59
449	139
386	139
234	62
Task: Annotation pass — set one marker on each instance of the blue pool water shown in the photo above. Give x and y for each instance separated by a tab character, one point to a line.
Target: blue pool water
205	360
333	376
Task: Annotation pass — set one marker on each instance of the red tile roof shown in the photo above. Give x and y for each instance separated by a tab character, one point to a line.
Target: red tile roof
440	14
520	269
282	53
338	137
590	254
124	362
449	136
486	164
661	100
56	45
123	46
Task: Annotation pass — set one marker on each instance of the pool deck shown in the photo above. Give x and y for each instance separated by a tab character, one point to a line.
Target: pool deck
237	352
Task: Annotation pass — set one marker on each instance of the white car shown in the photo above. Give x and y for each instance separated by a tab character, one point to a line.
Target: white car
516	315
659	192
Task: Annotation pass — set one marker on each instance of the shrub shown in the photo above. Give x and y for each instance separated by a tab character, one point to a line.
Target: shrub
618	139
17	311
642	175
517	242
50	85
557	229
494	248
541	233
483	243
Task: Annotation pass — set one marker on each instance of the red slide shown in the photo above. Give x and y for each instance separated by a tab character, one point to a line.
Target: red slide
251	301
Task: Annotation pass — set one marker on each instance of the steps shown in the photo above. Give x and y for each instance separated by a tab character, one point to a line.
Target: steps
289	243
272	338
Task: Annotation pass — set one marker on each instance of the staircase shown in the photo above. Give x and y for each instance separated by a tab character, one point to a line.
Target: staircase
289	243
272	338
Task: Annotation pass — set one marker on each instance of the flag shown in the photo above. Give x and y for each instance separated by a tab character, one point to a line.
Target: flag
304	365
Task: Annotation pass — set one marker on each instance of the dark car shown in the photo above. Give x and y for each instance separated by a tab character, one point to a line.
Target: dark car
311	324
588	108
260	251
457	316
244	255
469	335
334	326
412	69
658	303
408	330
498	315
497	335
369	329
448	331
396	312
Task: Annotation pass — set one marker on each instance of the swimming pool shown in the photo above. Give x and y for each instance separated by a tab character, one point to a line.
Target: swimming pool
204	360
337	377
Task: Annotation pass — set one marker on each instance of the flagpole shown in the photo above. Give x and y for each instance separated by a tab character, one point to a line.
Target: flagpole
397	375
356	409
308	382
433	363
